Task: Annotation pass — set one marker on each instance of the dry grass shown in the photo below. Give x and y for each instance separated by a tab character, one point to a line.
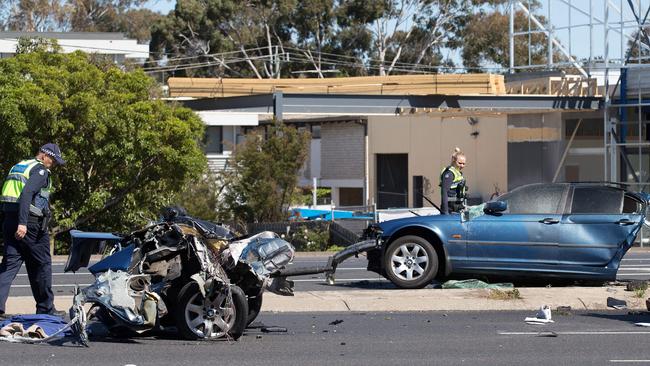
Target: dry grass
513	294
639	293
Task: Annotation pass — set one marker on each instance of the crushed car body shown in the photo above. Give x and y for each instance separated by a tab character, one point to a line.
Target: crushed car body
190	274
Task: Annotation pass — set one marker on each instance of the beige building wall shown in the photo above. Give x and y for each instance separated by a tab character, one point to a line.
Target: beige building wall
429	142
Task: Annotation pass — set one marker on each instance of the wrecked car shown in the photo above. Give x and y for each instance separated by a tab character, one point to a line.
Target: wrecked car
565	231
189	274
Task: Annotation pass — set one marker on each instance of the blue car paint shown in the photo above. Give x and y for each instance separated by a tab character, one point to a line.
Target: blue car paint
442	226
118	261
577	246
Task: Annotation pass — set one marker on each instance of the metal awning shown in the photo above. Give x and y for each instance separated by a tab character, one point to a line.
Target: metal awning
279	104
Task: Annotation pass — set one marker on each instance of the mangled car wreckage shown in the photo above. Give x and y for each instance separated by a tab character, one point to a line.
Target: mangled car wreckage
182	272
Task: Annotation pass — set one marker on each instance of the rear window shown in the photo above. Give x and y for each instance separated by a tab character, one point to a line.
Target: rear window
596	200
534	199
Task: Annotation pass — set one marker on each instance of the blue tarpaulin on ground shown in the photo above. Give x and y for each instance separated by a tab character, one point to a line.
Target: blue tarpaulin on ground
50	323
314	214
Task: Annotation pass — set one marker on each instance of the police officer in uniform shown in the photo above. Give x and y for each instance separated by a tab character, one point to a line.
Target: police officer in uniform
25	199
452	184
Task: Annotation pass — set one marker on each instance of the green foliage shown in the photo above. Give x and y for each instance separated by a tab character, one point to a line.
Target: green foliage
38	44
125	152
264	175
200	197
125	16
486	40
304	195
315	36
310	239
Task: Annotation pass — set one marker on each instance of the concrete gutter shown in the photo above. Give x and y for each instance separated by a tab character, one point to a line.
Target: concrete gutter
578	298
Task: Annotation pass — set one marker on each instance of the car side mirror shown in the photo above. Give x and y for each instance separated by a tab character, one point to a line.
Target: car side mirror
494	207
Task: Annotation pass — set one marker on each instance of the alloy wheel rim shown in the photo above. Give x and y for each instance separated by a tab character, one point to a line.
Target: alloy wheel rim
409	261
210	318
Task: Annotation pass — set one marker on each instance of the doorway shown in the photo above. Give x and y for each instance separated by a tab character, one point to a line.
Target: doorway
392	181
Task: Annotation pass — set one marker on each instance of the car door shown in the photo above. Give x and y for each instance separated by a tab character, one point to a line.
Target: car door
601	221
525	236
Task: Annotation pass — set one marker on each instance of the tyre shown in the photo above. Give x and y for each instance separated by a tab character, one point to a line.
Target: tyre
410	262
254	307
199	318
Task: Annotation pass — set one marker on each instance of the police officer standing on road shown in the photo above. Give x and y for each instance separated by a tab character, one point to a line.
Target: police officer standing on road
452	184
25	199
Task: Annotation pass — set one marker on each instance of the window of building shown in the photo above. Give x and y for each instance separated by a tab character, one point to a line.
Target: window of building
214	140
589	128
350	196
315	131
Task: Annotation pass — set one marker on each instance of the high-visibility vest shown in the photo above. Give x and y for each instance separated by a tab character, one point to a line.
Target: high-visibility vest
458	180
16	180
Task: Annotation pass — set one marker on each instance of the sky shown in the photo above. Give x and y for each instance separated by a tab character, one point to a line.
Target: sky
161	6
577	40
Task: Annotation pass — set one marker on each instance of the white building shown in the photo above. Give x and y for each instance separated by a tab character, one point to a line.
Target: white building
104	43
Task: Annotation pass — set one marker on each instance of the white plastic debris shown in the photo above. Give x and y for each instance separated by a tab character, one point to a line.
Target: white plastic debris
543	316
642	324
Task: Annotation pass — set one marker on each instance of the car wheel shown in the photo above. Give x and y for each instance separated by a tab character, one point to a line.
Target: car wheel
200	318
254	307
410	262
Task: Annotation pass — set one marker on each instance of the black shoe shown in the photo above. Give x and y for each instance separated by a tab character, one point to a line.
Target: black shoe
60	313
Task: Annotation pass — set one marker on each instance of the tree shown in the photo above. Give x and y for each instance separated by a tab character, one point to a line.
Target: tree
32	15
264	175
210	34
414	31
79	16
126	153
267	38
486	38
200	198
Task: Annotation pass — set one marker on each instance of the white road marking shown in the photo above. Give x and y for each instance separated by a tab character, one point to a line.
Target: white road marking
337	280
597	332
635	259
629	361
63	285
320	279
59	274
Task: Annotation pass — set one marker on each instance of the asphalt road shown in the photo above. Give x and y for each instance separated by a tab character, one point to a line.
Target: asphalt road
423	338
351	274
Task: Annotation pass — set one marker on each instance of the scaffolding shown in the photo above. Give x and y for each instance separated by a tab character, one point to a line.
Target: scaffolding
617	55
606	40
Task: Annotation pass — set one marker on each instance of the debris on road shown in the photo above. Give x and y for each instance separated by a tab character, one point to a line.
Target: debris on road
37	328
616	303
473	283
636	285
274	329
543	316
563	310
547	334
336	322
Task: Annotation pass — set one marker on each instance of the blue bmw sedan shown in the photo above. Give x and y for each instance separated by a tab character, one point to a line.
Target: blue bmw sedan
577	231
